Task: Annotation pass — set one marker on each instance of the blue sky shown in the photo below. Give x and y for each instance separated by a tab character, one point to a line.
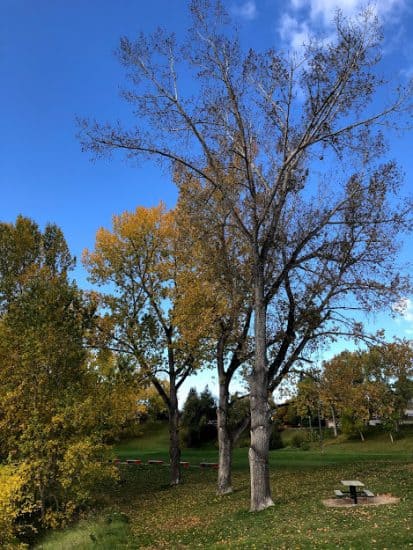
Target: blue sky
57	62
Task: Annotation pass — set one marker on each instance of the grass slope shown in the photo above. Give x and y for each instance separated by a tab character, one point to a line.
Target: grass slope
143	512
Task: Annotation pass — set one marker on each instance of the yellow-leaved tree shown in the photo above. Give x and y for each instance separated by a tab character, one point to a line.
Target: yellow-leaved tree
57	405
139	260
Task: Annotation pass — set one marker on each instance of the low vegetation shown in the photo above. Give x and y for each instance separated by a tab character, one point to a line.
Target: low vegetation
142	511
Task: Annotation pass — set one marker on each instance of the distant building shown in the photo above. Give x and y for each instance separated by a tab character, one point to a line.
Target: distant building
409	413
407	419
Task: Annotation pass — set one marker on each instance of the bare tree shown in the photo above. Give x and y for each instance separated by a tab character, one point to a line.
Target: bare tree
294	151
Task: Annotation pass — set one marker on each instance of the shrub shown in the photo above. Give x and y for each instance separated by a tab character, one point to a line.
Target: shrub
300	441
12	504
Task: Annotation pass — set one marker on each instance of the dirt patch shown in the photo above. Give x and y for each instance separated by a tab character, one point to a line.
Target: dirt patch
362	501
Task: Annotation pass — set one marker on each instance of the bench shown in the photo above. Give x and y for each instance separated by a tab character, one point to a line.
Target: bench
134	461
155	461
185	464
209	465
338	493
368	493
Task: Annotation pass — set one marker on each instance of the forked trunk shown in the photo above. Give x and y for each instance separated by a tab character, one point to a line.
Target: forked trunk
174	444
260	408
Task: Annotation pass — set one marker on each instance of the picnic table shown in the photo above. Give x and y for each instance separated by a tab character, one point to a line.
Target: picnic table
352	485
354	490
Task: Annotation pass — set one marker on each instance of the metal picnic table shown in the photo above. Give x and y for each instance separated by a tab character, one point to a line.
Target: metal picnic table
352	485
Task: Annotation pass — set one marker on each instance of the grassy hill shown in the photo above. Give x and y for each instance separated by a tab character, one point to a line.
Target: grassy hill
144	512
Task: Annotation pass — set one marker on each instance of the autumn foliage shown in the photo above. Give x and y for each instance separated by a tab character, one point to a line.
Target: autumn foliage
55	402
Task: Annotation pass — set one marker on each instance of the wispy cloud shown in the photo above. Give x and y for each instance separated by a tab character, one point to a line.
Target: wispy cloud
247	10
293	32
325	9
303	18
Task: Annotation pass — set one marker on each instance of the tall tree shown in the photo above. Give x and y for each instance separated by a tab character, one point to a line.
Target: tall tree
25	249
138	259
261	132
50	397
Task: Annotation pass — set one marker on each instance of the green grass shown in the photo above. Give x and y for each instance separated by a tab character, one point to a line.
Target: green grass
109	532
192	516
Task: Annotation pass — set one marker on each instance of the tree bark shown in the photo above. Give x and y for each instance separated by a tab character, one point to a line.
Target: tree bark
260	408
224	442
174	444
224	434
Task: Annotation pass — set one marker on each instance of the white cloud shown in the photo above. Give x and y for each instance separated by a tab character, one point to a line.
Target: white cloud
293	32
405	308
325	9
305	17
297	4
247	10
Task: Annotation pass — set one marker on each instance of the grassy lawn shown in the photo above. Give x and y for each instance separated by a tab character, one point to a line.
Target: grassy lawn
143	512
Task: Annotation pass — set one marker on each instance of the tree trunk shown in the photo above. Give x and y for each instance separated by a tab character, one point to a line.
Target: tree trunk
224	441
320	429
333	416
225	457
260	408
174	444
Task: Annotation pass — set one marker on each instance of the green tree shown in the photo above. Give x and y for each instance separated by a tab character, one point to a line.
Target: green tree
346	386
389	369
199	418
50	424
23	250
308	399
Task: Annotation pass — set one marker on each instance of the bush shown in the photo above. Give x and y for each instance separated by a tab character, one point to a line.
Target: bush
12	481
32	498
300	441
